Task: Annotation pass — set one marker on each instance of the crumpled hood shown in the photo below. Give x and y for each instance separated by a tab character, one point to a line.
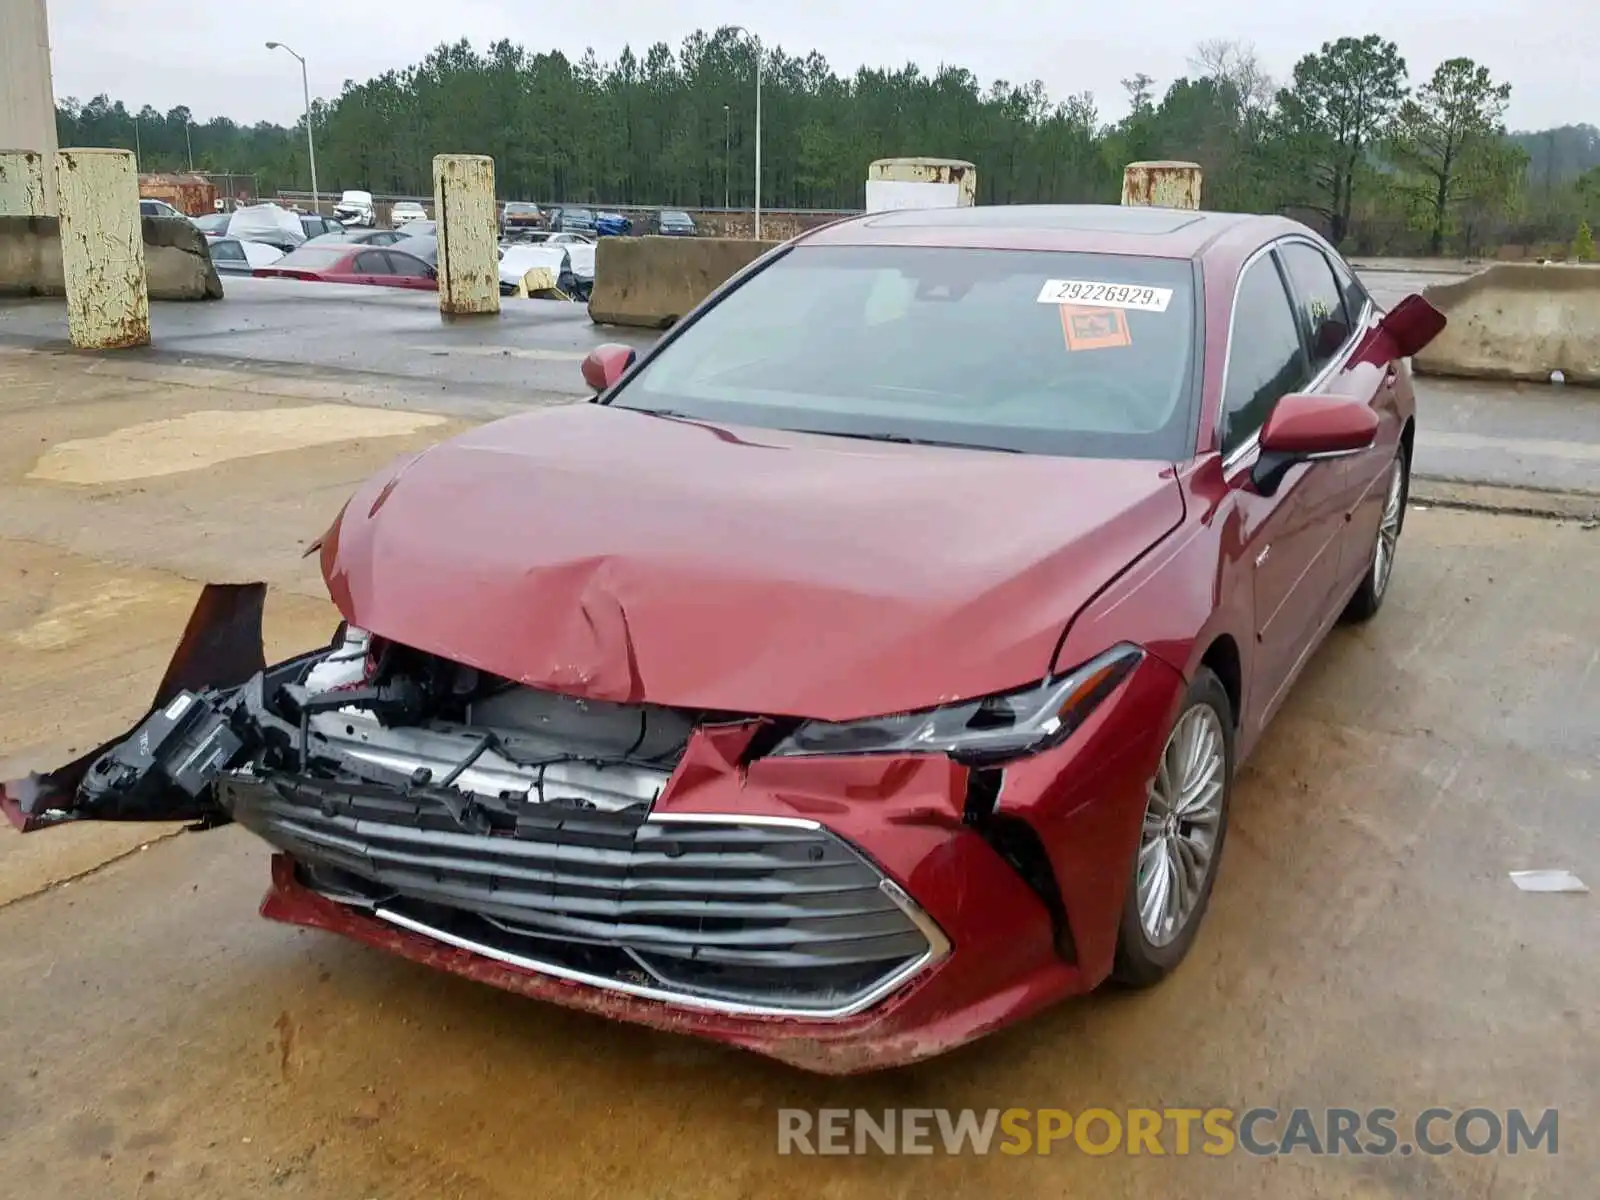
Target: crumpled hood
621	556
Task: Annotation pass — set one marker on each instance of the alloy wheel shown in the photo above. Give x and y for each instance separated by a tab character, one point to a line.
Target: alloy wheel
1389	529
1181	824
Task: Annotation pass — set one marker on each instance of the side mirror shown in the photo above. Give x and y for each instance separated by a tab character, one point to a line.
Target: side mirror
1412	324
1309	428
606	364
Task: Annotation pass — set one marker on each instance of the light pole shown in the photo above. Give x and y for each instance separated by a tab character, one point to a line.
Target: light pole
757	43
311	145
188	144
727	156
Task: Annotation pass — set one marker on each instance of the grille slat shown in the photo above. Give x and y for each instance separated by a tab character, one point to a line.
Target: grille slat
770	912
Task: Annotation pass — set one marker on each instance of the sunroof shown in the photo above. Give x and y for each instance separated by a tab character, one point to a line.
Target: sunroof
1092	218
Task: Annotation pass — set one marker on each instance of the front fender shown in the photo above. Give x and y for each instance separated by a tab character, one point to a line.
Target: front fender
1177	600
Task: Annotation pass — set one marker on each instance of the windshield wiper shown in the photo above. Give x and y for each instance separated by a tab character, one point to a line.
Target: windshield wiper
906	440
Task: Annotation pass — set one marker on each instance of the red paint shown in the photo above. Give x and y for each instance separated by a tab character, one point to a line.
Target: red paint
606	364
1318	425
617	555
622	556
781	573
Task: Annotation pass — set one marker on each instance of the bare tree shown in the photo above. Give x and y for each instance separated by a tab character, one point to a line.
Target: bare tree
1237	64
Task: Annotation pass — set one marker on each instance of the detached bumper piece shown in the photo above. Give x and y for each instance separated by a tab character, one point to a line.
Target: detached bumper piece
781	918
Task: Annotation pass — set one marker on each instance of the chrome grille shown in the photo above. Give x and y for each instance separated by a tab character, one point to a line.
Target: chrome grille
769	914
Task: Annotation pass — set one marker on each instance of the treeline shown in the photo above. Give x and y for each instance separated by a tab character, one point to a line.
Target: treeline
1351	142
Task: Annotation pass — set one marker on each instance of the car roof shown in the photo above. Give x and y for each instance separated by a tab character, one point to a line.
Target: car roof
1103	228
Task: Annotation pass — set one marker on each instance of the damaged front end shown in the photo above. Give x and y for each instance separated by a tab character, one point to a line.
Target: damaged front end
518	824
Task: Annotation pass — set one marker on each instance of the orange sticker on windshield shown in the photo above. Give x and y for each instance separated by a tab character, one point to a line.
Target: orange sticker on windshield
1094	328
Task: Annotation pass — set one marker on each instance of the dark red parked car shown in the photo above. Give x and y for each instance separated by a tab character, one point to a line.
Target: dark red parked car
336	262
866	668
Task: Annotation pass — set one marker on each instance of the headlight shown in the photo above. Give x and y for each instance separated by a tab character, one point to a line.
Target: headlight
989	729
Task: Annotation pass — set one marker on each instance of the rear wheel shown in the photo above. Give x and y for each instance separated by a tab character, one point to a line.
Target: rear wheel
1369	596
1180	843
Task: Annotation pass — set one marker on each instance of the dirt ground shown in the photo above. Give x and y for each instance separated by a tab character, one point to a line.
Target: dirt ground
1365	946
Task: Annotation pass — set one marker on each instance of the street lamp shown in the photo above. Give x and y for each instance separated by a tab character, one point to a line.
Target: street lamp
727	157
311	145
757	41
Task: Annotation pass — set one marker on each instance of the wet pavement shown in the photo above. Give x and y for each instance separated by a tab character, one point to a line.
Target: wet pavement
1365	946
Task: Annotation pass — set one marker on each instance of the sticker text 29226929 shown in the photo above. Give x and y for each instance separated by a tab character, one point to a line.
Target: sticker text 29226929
1093	294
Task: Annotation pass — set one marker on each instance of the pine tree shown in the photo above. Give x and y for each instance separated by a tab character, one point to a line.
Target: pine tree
1583	244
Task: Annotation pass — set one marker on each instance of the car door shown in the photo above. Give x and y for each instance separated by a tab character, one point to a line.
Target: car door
1330	334
370	266
1366	373
228	256
409	271
1266	360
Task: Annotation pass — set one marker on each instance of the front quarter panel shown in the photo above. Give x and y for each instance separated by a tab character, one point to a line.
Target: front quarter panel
1185	593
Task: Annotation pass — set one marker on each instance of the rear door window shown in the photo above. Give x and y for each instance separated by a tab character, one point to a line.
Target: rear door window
1319	302
1265	356
373	262
227	251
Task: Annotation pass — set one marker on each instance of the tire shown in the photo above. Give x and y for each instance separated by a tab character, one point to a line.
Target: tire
1368	598
1145	957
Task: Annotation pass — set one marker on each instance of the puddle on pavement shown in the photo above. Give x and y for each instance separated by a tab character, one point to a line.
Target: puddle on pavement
199	440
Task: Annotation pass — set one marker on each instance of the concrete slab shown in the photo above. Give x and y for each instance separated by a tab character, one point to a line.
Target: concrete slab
226	517
1364	947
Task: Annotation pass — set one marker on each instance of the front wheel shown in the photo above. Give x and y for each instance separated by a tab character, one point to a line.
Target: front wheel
1180	843
1369	596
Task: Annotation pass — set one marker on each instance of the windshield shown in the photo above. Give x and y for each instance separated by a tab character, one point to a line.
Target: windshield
520	209
966	346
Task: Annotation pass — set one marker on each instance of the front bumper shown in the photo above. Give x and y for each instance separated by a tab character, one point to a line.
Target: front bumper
964	922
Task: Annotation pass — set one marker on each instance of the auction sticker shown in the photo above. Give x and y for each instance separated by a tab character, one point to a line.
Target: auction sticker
1094	328
1093	294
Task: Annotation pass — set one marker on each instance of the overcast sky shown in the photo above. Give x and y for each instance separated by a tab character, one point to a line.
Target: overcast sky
211	57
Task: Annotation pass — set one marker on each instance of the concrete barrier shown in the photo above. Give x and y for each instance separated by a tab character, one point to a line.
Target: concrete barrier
1166	184
1518	321
22	184
897	183
469	245
650	282
102	249
177	264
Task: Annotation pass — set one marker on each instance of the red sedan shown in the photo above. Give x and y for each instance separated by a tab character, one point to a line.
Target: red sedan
380	266
866	668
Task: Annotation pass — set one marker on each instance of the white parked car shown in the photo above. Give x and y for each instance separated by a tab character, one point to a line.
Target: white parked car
406	211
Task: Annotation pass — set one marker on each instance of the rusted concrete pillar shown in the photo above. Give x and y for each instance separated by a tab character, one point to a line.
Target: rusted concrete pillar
1162	184
27	97
102	249
921	183
469	245
22	184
